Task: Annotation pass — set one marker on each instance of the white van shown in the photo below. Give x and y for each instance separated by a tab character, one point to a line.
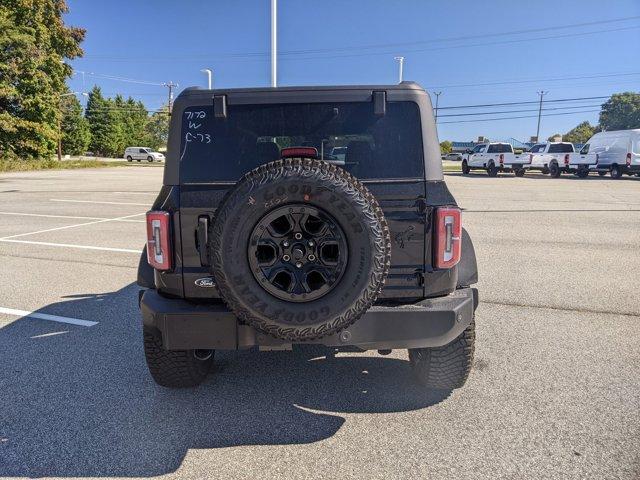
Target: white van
618	152
142	153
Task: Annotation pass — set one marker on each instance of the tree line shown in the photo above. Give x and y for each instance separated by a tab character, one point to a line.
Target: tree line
37	110
620	112
109	125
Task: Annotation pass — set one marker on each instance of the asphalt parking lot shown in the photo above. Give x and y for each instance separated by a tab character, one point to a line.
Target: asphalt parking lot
554	393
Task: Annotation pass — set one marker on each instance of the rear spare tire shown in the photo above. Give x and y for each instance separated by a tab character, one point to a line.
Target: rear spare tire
300	249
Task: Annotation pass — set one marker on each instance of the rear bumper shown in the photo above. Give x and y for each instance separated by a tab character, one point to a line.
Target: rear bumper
429	323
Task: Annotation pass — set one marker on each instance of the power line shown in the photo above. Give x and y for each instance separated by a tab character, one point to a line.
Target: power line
118	78
557	79
375	46
512	118
515	111
523	103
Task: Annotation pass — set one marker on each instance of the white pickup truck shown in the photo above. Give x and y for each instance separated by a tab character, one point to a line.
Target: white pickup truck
556	158
493	158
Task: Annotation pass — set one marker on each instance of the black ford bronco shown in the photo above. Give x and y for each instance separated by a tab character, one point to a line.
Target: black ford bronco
306	215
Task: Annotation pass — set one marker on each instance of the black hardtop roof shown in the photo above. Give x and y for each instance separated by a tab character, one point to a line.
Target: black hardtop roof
406	86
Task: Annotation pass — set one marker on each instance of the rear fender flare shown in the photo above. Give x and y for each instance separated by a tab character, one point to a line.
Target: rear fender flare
468	267
145	271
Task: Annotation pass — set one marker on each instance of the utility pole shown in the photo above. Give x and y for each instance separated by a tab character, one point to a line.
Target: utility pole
170	86
542	93
400	67
274	43
437	94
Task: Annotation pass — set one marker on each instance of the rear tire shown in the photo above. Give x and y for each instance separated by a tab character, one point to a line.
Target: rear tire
465	168
150	159
175	368
554	170
129	159
519	172
492	170
615	172
445	367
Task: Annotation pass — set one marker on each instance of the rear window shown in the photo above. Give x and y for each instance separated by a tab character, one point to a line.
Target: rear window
370	146
500	148
561	148
537	148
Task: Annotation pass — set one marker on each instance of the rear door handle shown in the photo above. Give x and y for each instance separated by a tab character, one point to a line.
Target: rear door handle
202	238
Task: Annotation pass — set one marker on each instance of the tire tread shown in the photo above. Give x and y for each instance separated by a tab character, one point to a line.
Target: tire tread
445	367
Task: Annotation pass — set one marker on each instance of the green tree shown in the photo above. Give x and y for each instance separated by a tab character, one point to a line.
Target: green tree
33	43
75	128
581	133
104	124
621	112
445	147
552	137
157	129
134	119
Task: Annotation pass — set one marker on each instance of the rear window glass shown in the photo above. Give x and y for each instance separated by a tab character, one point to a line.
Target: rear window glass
366	145
537	148
499	148
561	148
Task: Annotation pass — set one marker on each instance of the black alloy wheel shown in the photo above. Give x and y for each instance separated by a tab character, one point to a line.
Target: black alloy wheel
298	252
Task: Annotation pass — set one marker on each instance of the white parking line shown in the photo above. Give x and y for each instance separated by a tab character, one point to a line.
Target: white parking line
98	203
50	334
71	226
45	316
137	193
72	217
69	245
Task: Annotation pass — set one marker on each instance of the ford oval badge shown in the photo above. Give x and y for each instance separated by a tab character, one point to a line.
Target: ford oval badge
206	282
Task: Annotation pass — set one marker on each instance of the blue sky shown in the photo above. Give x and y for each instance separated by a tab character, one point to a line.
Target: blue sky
473	52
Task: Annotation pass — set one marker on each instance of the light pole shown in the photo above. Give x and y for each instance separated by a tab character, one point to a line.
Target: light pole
60	119
209	73
400	66
437	94
542	93
274	43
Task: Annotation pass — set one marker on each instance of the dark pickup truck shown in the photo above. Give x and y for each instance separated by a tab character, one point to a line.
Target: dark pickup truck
260	237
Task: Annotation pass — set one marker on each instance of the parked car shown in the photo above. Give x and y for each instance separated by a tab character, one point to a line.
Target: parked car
493	158
252	245
556	158
142	153
453	156
618	152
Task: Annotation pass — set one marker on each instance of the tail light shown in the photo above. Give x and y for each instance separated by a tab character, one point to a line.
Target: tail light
501	159
448	237
158	240
628	159
295	152
566	159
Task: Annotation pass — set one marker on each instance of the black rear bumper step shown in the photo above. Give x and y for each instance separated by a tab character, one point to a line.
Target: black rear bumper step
429	323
